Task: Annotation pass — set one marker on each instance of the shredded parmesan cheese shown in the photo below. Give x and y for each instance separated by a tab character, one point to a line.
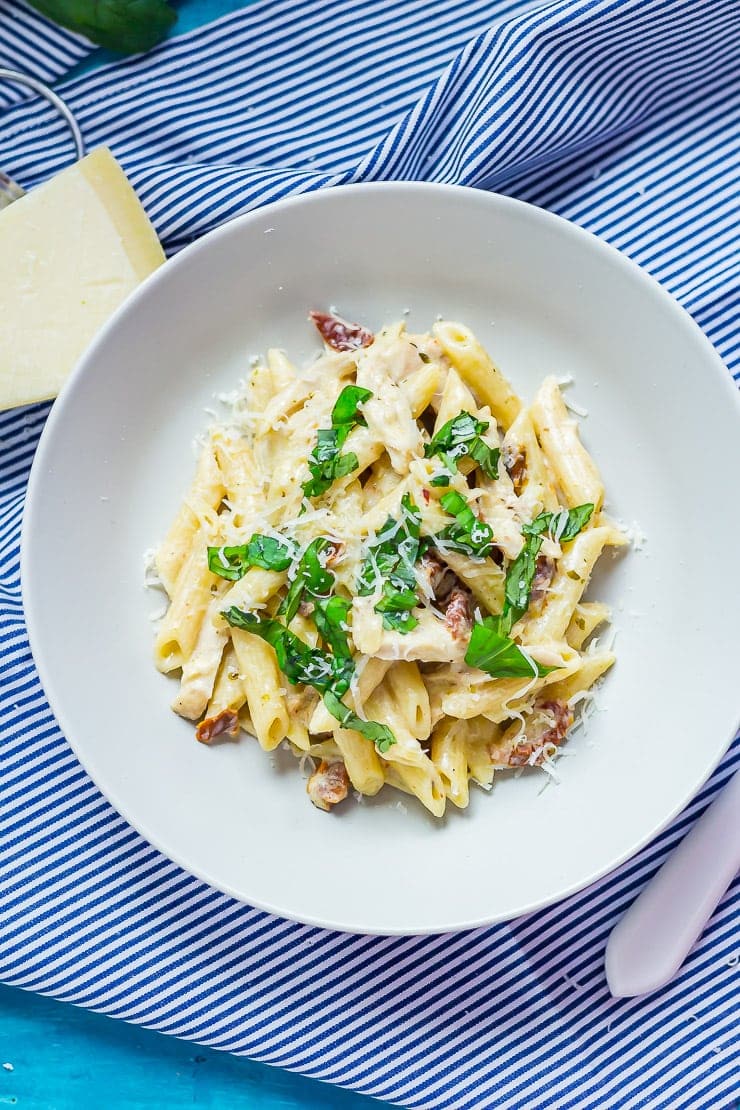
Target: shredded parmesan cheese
257	485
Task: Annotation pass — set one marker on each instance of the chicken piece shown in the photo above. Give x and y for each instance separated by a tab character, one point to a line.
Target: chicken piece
328	785
388	412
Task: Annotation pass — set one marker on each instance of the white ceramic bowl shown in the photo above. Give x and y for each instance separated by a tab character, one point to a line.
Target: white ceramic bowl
116	456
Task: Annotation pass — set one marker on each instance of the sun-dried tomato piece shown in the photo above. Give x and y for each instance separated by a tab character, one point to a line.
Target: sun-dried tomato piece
459	612
339	333
225	721
328	785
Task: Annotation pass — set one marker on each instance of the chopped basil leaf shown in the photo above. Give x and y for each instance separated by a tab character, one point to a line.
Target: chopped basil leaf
493	652
563	525
397	547
346	410
462	436
297	661
261	551
395	599
456	505
519	578
325	463
399	621
469	534
442	479
325	471
311	576
381	735
424	356
330	617
396	605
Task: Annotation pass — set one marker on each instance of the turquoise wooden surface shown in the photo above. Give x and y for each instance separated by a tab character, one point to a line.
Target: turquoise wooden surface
64	1058
54	1056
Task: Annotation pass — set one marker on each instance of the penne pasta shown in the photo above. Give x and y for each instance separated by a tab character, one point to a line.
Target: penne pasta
263	687
569	461
189	600
200	669
587	616
449	756
477	370
206	493
382	561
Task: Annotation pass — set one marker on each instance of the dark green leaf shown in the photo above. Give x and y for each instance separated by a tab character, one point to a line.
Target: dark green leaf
519	577
455	433
395	599
346	409
399	621
486	457
563	525
330	617
346	464
261	551
327	445
311	576
398	545
298	662
493	652
329	674
441	479
456	505
324	473
462	436
125	26
380	735
469	534
325	463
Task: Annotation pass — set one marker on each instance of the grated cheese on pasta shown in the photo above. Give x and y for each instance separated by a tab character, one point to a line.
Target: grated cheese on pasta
462	645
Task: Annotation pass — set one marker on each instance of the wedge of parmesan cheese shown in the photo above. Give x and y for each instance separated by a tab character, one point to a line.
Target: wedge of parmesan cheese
71	251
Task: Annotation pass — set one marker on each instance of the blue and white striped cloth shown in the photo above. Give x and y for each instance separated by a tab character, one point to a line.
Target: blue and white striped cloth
621	115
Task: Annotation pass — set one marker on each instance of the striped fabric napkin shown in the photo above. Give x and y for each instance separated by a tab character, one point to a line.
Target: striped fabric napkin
621	115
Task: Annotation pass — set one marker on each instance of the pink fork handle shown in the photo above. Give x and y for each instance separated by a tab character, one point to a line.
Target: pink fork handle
650	943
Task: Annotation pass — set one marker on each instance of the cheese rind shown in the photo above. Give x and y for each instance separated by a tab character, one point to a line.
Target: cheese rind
70	252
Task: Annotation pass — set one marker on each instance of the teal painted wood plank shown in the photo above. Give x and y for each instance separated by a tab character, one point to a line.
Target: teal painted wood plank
65	1058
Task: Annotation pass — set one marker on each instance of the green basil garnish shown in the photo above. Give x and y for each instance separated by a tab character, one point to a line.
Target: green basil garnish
391	562
563	525
326	463
311	577
469	534
261	551
459	437
492	651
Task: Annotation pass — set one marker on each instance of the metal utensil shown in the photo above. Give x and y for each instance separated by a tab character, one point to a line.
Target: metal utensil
650	943
10	190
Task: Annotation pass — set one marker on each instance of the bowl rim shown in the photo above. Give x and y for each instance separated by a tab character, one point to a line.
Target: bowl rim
66	398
